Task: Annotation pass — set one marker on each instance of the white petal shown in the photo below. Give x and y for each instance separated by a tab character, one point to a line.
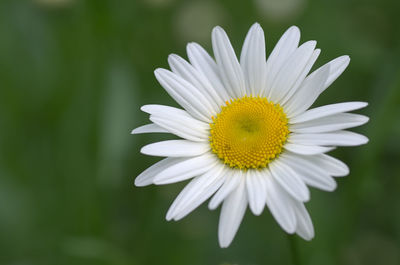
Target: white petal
283	49
185	131
232	213
280	205
185	94
338	138
337	66
331	123
205	195
327	110
331	165
147	176
186	169
307	93
228	65
197	79
289	180
302	75
305	227
256	187
203	62
178	122
167	111
311	173
232	180
196	192
149	128
307	149
175	148
252	60
291	71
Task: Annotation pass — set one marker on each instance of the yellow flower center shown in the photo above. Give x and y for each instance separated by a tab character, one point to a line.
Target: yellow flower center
249	132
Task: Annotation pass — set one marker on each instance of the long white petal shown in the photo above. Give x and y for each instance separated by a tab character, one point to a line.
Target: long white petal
331	123
291	71
280	204
283	49
196	192
229	67
315	84
307	93
185	94
252	60
289	180
178	122
305	228
331	165
197	79
163	111
147	176
302	75
256	187
149	128
205	195
337	66
186	169
203	62
307	149
175	148
312	174
232	180
327	110
232	213
338	138
181	129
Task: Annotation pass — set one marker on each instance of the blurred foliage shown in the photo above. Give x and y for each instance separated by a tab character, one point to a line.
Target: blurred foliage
73	75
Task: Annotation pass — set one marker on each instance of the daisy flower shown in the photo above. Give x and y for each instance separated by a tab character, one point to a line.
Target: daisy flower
248	135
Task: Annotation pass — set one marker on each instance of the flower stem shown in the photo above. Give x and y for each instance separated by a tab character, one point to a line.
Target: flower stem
294	250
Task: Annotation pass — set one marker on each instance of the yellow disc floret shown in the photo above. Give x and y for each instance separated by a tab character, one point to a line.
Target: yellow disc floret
249	132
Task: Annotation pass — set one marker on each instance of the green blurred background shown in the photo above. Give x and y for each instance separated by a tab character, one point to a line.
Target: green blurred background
73	75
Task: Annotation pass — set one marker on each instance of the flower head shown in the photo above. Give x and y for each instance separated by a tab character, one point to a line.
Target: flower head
249	137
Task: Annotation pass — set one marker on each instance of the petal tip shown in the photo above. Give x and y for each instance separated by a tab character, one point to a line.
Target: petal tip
143	108
308	237
346	57
147	149
169	216
192	45
173	58
294	29
212	205
146	108
365	140
218	28
224	242
312	42
256	25
257	211
139	183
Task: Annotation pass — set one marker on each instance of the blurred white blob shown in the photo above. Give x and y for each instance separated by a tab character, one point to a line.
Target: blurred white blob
195	20
280	10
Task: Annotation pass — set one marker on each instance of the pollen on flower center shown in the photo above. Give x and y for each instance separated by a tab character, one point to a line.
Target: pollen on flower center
249	132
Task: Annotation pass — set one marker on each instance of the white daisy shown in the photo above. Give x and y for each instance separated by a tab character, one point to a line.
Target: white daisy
248	136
